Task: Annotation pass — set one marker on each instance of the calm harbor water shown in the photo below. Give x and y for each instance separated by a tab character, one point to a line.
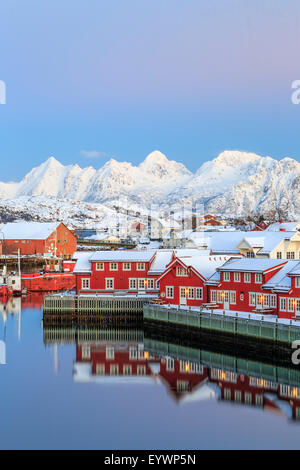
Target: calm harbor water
113	388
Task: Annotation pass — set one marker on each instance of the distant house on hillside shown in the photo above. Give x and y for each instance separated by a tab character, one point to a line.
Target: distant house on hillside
37	238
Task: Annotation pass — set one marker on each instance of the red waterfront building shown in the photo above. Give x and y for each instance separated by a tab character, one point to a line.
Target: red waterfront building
183	281
37	238
257	285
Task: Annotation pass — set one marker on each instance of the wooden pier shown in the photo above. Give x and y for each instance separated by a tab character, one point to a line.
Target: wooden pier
236	325
75	335
91	305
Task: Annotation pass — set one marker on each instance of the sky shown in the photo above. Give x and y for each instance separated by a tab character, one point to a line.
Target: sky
90	80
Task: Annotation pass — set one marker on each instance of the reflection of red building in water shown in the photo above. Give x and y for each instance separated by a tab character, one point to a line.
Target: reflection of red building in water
186	381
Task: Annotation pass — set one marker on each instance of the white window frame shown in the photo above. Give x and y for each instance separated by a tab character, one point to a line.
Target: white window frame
258	278
181	271
191	293
87	281
237	277
232	297
132	284
150	284
247	278
199	293
142	283
213	296
140	266
169	292
109	280
226	276
282	304
126	266
113	266
99	266
252	299
297	282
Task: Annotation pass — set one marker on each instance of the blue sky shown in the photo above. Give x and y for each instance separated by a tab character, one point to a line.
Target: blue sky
123	78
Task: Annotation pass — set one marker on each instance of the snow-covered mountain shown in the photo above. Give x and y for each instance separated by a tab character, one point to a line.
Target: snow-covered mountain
234	183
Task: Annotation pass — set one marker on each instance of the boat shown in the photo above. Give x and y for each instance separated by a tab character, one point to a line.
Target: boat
47	281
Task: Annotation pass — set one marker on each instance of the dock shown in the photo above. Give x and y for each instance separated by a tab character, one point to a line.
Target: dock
94	305
238	324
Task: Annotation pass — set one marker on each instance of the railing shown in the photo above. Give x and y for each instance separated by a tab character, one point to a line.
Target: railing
236	325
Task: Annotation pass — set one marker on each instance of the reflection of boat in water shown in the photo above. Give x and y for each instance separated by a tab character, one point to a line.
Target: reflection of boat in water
46	282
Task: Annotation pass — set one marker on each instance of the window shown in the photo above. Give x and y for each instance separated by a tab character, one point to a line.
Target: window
199	293
226	276
114	369
99	266
126	266
213	296
297	282
100	369
150	284
219	297
85	283
170	364
259	400
182	386
291	306
140	266
250	254
109	283
227	394
181	271
133	354
248	398
266	300
290	255
142	284
233	297
169	292
252	299
86	352
141	370
110	352
237	277
279	255
132	284
113	266
283	304
127	369
247	277
191	293
258	278
238	396
273	301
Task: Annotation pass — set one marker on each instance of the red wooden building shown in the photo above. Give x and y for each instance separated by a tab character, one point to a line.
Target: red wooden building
37	238
246	285
183	282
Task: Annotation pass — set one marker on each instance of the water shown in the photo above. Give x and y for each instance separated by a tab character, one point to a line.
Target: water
51	397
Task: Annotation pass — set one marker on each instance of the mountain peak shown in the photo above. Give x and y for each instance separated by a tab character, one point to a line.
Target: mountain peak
155	158
236	157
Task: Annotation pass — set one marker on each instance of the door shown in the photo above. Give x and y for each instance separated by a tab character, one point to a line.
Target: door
226	300
182	297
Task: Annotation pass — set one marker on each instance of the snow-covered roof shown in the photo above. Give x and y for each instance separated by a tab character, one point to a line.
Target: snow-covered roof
296	269
287	226
122	255
258	265
281	280
214	279
228	242
83	264
188	252
28	230
204	265
161	260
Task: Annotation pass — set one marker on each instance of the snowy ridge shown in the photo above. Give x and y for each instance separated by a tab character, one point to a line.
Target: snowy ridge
234	183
